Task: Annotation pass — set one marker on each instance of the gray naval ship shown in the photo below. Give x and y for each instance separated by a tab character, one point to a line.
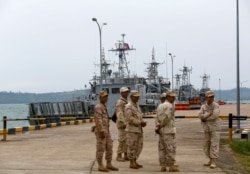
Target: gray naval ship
150	88
205	87
187	96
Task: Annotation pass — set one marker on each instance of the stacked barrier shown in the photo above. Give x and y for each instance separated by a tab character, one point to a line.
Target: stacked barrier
182	106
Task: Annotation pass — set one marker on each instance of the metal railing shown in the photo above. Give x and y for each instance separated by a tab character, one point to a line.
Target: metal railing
232	117
5	120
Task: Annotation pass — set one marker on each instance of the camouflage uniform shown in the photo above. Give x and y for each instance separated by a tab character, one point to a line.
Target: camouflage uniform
211	125
134	133
167	142
102	125
121	124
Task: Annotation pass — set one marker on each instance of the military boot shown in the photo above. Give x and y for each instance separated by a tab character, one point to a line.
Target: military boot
101	167
119	157
176	165
111	167
173	168
209	163
138	165
126	156
133	165
163	169
213	165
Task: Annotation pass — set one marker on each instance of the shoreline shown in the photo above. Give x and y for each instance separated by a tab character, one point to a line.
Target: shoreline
224	110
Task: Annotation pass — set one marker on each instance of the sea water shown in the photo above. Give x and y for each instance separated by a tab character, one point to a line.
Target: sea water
19	111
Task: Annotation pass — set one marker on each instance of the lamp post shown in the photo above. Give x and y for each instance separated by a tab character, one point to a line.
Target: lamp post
237	63
172	56
100	34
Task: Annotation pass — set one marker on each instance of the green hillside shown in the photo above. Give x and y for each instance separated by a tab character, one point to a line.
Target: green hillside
18	98
231	95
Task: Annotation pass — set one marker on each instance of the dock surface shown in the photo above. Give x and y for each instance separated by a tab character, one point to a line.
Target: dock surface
71	150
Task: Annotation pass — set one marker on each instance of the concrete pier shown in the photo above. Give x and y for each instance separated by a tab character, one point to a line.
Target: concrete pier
70	149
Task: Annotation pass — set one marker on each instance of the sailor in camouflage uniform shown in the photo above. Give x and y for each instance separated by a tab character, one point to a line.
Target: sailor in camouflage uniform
165	127
104	142
157	129
209	116
163	97
121	124
134	132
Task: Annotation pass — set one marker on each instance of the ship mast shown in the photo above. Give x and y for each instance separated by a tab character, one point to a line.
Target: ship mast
205	78
186	75
121	48
177	82
106	72
152	69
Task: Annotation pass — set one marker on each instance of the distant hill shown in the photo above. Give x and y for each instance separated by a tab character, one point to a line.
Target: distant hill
18	98
231	95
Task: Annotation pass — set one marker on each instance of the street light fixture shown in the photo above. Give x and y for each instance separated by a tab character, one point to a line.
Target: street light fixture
241	87
172	56
100	34
242	83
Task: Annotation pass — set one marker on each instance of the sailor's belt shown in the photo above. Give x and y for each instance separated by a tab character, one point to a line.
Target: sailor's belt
209	121
168	126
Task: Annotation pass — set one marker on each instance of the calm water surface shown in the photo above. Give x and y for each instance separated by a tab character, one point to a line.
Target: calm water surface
21	111
14	111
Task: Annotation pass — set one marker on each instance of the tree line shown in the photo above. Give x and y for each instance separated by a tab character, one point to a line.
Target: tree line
24	98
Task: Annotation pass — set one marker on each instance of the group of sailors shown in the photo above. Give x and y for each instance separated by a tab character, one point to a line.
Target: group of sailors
130	126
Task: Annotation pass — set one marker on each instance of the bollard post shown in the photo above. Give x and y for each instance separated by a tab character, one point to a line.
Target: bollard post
230	126
4	128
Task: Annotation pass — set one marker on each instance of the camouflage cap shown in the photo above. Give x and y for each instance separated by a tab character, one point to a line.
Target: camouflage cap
209	94
124	89
103	93
171	93
134	93
163	95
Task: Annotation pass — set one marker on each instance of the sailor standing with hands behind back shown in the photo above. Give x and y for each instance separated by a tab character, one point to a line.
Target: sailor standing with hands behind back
121	124
165	127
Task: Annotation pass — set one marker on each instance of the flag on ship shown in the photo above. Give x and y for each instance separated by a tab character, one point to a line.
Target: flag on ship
126	45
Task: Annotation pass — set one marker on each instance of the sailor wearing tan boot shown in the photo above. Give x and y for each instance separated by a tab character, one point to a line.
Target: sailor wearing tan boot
121	124
165	127
134	132
104	142
209	115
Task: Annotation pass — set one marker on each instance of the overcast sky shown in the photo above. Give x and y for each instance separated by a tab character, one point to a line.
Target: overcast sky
53	45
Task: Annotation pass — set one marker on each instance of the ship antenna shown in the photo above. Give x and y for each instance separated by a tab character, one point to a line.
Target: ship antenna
123	35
